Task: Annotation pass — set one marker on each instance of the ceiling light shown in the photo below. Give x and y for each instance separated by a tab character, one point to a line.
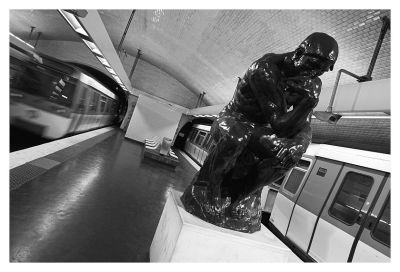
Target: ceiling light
73	22
103	61
111	71
92	47
117	79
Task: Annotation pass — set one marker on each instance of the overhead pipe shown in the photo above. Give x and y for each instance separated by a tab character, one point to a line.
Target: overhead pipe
139	53
37	38
385	27
202	97
328	115
126	30
198	100
30	34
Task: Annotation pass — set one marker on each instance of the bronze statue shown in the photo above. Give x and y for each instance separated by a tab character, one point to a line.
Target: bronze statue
258	136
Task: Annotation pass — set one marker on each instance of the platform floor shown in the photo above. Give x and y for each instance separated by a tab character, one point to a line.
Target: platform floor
101	206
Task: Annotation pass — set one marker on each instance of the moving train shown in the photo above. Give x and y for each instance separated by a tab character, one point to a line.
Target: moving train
334	206
52	99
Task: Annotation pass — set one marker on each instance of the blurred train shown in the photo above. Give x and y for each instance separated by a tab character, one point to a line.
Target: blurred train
52	99
334	206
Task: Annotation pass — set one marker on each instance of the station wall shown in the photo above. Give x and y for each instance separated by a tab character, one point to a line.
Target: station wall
153	118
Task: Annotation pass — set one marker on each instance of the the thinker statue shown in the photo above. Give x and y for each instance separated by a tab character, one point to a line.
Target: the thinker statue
260	134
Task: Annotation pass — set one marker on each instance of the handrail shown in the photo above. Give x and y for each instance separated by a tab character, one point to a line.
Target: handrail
329	115
329	109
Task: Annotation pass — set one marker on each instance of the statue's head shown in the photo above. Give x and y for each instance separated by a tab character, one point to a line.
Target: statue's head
316	55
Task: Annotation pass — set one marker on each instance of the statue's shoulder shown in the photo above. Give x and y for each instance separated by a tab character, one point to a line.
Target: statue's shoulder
271	58
267	64
316	81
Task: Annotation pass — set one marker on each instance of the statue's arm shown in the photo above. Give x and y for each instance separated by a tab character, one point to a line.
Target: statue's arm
290	154
263	79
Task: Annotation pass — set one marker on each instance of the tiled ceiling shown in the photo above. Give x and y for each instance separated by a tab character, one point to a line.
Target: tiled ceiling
206	50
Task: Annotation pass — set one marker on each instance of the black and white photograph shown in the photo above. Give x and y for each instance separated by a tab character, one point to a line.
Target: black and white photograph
198	135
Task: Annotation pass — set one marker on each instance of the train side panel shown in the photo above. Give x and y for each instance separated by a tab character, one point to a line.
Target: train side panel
311	201
343	214
374	244
289	193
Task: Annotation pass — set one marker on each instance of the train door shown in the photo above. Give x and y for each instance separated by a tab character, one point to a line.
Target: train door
198	143
189	147
311	201
204	148
81	107
374	243
288	194
92	118
103	115
344	212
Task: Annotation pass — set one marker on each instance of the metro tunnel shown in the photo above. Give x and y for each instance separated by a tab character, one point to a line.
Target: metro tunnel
199	135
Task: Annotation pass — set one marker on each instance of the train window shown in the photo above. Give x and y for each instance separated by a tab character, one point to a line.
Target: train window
279	181
381	232
209	144
62	92
206	141
294	181
82	100
94	102
108	107
192	137
103	102
303	164
213	144
351	197
200	137
40	81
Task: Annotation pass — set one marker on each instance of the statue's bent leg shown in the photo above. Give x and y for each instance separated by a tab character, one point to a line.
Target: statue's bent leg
203	197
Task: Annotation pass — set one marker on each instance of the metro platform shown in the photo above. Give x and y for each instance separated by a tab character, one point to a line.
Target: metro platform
101	203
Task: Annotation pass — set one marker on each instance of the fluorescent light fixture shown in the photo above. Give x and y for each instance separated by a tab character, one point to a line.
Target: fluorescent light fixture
103	61
362	115
111	70
92	47
117	79
73	22
18	38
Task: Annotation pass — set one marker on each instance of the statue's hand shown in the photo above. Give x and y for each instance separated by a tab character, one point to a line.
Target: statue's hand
272	142
290	154
308	88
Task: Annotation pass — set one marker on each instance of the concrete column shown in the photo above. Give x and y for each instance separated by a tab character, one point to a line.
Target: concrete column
132	99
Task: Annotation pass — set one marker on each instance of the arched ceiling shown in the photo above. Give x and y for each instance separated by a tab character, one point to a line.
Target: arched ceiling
206	50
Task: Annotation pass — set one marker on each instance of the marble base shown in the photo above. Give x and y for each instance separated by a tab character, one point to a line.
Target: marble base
182	237
155	155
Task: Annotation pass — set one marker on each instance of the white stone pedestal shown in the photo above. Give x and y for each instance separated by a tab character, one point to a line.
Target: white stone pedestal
182	237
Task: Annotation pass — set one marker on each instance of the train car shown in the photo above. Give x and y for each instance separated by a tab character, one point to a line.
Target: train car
199	143
52	99
333	206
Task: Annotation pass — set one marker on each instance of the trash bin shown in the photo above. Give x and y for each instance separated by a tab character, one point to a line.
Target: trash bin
165	146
